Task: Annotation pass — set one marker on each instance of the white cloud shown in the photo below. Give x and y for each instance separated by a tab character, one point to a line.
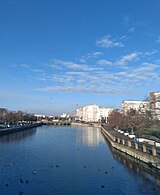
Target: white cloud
94	54
24	66
107	42
91	55
69	76
104	81
132	29
77	89
149	53
124	37
127	58
73	65
104	62
38	70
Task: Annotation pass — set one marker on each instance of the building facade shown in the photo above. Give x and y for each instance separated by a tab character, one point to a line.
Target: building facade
140	106
92	113
155	104
104	113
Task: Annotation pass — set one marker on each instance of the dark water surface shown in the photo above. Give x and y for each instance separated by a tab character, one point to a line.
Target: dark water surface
69	161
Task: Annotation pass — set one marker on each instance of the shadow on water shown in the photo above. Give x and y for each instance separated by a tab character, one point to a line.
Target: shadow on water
138	168
18	135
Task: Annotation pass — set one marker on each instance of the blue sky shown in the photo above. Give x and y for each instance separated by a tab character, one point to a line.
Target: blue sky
57	55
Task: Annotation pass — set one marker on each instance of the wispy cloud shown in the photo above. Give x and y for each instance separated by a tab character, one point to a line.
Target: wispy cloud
25	66
38	70
103	81
94	54
104	62
132	29
107	42
127	58
149	53
72	65
91	55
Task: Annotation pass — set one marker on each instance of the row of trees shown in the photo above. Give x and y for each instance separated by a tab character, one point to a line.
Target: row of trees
14	117
133	120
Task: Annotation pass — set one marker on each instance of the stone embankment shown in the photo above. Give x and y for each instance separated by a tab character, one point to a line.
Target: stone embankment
6	131
141	152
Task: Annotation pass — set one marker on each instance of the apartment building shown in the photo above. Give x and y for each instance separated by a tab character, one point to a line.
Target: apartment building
92	113
155	104
140	106
104	113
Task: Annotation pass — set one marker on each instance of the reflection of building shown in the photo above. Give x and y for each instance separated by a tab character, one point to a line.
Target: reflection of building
92	113
155	104
141	106
89	136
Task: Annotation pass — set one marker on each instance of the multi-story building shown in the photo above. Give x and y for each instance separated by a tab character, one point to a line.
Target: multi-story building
140	106
79	114
92	113
155	104
104	113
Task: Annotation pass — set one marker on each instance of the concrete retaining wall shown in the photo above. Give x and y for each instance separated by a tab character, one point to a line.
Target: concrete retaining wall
132	151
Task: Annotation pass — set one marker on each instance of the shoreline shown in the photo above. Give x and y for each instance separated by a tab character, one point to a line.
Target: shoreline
98	125
140	156
16	129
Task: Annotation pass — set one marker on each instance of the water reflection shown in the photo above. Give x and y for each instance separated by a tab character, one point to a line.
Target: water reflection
89	136
137	168
48	162
18	135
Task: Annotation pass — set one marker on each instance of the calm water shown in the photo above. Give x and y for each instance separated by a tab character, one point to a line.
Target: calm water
68	160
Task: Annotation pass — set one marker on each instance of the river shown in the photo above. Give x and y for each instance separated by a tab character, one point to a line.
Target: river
64	160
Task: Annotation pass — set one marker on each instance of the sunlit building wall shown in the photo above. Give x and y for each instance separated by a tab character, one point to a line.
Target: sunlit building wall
92	113
141	106
104	113
155	104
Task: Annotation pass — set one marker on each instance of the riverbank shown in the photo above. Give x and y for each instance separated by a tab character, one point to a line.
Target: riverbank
19	128
140	152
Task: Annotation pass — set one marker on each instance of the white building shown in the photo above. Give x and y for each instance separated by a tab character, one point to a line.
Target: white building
92	113
40	115
104	113
141	106
155	104
64	115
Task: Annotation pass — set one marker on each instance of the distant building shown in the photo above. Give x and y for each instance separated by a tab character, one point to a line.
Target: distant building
3	111
140	106
92	113
104	113
40	115
64	115
155	104
79	114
